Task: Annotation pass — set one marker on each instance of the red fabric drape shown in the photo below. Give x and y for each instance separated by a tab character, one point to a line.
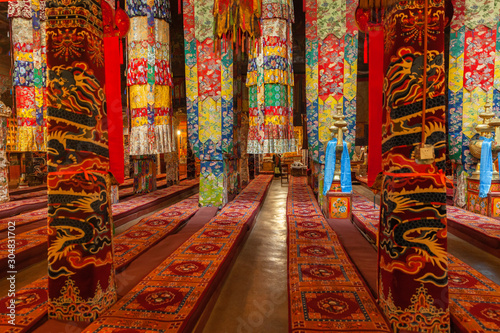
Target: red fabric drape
114	106
375	100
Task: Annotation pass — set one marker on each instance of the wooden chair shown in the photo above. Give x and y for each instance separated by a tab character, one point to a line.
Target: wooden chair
284	174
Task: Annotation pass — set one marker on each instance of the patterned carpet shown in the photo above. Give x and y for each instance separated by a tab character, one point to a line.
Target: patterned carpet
171	297
474	299
482	228
31	300
12	208
326	294
30	243
41	214
33	194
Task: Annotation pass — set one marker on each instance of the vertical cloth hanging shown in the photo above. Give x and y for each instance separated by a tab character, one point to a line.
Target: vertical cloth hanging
270	82
149	77
30	72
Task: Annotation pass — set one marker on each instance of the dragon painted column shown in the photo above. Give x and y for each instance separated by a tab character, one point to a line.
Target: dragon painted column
209	98
413	269
80	255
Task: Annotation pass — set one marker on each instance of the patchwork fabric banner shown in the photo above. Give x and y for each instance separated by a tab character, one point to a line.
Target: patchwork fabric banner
209	98
149	77
144	174
331	70
80	254
172	168
412	247
473	79
270	82
331	75
30	72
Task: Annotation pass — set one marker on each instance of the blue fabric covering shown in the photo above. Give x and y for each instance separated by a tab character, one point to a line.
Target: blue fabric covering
345	167
345	170
329	165
486	171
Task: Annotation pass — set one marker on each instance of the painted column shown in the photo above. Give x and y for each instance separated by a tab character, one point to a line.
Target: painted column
331	74
150	81
209	98
473	80
80	251
413	263
5	113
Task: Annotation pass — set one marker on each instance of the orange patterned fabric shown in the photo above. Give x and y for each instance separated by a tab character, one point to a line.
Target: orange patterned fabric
326	294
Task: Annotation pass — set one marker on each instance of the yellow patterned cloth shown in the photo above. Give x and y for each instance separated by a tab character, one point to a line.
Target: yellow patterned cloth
150	83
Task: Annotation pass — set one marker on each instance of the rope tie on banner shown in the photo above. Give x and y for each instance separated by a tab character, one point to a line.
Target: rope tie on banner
88	175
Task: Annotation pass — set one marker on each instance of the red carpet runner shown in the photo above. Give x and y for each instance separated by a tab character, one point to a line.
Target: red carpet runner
474	299
31	301
326	294
171	298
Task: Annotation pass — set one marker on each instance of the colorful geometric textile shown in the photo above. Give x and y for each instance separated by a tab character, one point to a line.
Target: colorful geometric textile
80	256
172	166
270	82
237	19
30	72
168	298
408	254
331	70
473	78
31	301
144	174
326	294
149	77
209	98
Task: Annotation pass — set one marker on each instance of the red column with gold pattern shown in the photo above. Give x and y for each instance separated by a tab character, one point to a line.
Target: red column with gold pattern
80	254
413	267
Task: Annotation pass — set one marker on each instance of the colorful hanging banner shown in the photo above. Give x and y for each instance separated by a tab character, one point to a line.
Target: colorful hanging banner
270	82
209	98
149	77
29	72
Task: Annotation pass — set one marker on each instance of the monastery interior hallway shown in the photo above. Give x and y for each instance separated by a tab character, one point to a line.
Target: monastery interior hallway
254	297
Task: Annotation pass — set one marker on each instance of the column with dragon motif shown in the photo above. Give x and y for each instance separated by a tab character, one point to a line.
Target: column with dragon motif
81	273
413	264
